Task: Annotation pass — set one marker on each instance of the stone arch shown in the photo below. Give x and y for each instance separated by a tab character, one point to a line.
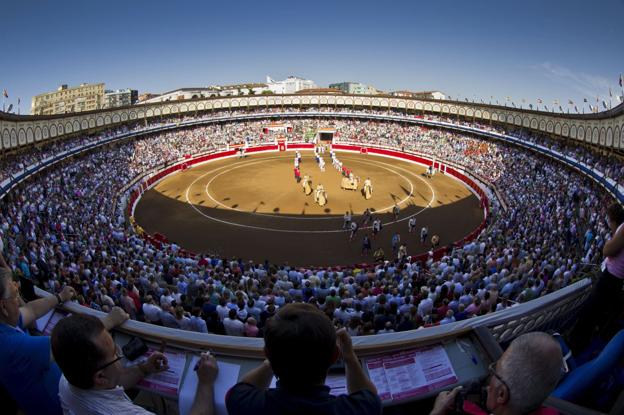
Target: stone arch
84	125
53	131
37	133
91	122
444	109
565	130
526	122
622	137
124	116
133	115
402	104
609	141
602	136
166	110
68	128
428	107
6	138
550	126
201	106
157	112
453	109
573	131
518	120
45	132
486	115
494	116
60	129
616	137
76	126
107	119
419	106
534	123
21	136
478	114
13	138
510	119
30	135
183	108
469	112
436	107
558	129
581	133
174	109
542	124
595	136
150	112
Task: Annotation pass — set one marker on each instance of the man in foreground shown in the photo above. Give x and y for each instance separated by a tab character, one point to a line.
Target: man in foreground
519	382
300	345
94	380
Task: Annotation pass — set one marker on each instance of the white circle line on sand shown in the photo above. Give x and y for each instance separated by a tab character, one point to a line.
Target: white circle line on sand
387	208
290	230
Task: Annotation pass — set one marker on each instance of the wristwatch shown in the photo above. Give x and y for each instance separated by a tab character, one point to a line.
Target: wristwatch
58	298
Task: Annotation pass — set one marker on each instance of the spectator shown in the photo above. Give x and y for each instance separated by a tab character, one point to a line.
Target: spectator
26	370
233	326
94	379
251	328
604	302
520	381
301	344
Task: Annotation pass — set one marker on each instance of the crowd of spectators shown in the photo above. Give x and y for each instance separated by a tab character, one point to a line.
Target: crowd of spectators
58	232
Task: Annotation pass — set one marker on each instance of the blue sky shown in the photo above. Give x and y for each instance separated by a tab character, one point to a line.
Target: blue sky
476	49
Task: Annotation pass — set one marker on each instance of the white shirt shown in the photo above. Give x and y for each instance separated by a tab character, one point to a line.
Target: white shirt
152	312
233	327
76	401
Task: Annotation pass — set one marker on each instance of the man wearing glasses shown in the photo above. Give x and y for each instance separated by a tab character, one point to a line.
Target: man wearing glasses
94	379
518	383
27	371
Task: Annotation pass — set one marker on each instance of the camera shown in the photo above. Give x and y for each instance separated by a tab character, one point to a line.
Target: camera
474	393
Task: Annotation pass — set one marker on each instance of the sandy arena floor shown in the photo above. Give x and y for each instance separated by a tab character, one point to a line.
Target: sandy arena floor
253	208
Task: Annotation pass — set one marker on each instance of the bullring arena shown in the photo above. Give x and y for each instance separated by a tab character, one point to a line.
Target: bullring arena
196	211
254	208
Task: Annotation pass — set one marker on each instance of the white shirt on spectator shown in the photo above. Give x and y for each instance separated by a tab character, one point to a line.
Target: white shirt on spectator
233	327
76	401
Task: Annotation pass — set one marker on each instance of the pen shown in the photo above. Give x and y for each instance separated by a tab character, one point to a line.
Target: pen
462	346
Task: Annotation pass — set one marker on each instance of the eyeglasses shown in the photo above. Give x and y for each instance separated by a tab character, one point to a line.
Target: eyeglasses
118	356
492	370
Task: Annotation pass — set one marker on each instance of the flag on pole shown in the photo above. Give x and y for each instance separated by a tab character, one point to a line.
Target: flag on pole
570	102
18	101
5	93
604	103
584	99
539	100
576	109
610	93
560	109
10	108
621	81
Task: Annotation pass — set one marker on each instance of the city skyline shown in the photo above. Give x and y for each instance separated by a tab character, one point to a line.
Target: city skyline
564	51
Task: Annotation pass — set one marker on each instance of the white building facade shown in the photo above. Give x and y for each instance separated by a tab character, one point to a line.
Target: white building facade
290	85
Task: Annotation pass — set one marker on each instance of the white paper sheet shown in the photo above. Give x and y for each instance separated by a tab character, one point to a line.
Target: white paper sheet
227	377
